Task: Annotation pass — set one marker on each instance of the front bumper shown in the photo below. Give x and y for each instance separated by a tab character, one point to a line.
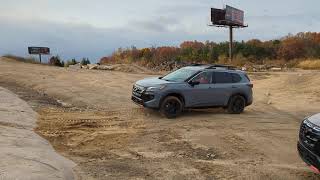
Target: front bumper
309	157
148	100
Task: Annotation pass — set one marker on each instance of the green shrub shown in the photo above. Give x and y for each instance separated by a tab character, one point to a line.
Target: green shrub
70	62
56	61
85	61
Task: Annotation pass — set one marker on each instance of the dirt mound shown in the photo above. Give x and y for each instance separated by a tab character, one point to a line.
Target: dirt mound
132	68
128	68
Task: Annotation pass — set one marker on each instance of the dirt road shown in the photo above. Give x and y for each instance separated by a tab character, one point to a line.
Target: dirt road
95	124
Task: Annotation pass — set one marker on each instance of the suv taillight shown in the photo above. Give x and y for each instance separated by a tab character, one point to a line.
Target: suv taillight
250	85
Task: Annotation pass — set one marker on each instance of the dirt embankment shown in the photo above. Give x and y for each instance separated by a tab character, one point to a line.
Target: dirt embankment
96	125
23	152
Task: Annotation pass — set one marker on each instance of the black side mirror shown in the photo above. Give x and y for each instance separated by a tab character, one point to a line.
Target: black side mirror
194	83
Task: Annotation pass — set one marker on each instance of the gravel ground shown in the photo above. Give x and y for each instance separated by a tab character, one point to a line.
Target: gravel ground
87	116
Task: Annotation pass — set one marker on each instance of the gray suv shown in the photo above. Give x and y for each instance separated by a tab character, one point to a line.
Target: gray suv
195	86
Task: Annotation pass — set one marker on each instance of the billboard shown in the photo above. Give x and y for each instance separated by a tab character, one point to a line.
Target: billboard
217	15
234	16
229	16
39	50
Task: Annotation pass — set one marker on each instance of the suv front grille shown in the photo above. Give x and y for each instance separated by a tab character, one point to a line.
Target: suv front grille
310	137
137	90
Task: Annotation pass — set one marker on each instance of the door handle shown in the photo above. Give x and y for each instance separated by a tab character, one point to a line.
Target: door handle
234	87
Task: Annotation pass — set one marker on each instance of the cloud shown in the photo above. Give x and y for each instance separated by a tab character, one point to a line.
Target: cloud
77	40
160	24
268	26
68	40
168	25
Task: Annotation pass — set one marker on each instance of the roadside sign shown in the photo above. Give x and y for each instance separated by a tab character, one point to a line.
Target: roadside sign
39	50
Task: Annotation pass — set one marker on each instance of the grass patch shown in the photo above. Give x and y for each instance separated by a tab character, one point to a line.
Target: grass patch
309	64
22	59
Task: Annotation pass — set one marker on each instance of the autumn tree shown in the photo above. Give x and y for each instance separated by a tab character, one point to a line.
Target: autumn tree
301	45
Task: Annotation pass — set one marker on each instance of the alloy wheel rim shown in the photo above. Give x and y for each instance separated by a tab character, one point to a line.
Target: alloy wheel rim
238	105
172	107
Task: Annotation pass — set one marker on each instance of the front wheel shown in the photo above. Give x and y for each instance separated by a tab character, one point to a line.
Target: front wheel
236	105
171	107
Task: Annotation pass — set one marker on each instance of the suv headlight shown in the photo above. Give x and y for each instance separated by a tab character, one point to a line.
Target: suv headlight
312	126
156	88
317	129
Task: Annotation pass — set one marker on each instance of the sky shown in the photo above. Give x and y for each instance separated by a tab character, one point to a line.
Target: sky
95	28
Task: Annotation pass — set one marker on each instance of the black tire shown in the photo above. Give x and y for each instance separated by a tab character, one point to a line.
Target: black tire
236	104
171	107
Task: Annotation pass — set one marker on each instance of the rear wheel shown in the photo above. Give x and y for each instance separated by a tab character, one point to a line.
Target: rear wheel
236	104
171	107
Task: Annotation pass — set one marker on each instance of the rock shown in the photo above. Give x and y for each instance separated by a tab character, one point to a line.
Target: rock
64	104
92	66
76	66
269	102
84	67
105	67
268	93
276	69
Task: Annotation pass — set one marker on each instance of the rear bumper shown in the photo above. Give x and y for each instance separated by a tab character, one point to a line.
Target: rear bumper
309	157
249	100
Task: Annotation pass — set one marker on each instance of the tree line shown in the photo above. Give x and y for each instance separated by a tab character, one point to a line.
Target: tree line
304	45
56	61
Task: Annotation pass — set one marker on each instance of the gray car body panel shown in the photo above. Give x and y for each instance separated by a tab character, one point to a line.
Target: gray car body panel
202	95
315	119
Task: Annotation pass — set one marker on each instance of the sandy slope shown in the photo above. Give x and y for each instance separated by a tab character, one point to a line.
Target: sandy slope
23	153
111	138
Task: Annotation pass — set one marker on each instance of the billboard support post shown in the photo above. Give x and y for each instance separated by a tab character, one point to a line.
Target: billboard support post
40	57
229	17
231	43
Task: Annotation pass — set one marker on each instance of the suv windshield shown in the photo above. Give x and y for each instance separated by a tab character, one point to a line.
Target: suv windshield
180	75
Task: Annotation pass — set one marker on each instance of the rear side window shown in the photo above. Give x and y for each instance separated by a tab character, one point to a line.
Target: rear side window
236	78
222	77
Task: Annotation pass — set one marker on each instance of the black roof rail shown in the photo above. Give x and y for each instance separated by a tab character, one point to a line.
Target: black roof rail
197	64
221	66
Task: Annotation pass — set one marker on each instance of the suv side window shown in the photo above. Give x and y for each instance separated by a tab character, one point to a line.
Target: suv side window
203	78
236	78
222	78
